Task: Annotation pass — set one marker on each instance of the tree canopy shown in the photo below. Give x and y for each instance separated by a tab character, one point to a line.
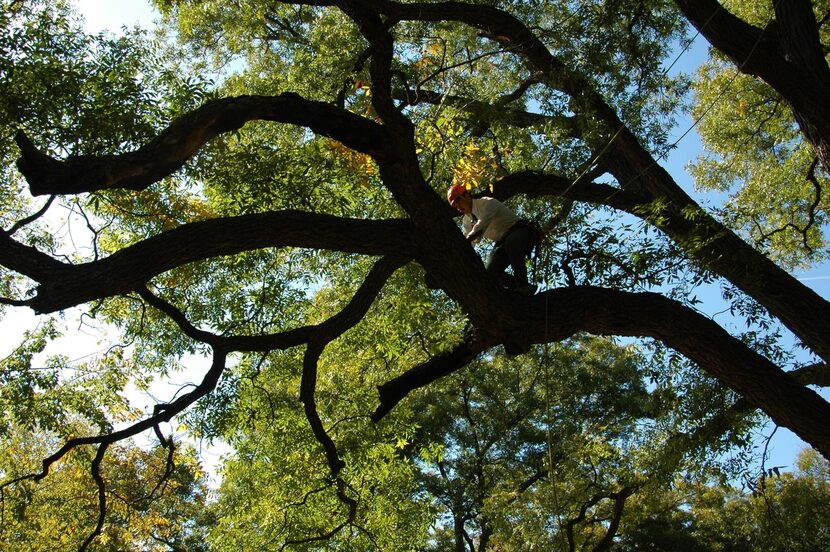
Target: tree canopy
267	190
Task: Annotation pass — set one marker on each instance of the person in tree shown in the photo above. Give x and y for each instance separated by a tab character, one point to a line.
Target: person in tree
514	238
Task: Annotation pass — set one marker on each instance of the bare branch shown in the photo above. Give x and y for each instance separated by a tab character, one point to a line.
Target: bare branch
95	468
31	218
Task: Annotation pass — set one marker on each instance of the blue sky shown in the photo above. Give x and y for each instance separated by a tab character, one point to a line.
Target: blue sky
113	14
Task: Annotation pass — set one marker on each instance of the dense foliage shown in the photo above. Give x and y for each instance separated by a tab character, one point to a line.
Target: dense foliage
261	184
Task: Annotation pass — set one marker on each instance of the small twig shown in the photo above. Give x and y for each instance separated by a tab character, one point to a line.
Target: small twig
31	218
95	468
811	213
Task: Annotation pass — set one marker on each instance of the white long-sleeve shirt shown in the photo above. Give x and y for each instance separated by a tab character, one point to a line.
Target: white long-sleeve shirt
492	219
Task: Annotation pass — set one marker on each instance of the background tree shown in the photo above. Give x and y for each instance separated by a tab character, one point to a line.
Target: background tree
293	229
778	511
154	502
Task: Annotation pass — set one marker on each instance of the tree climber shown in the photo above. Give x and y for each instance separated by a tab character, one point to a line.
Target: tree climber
514	238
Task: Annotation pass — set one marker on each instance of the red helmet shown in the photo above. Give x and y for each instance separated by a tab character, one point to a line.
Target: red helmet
455	191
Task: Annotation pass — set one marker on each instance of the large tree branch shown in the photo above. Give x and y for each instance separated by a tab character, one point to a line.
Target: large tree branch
316	336
700	339
559	314
63	285
752	49
182	139
711	244
714	246
788	55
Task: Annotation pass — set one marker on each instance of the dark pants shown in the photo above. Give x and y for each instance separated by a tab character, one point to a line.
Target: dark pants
512	250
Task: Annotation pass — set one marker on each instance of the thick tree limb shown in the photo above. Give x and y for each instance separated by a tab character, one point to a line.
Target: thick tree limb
63	285
714	246
381	46
764	385
787	55
747	45
182	139
393	391
559	314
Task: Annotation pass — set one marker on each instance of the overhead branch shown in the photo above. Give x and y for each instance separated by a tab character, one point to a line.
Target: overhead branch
323	332
522	89
64	285
754	377
169	151
496	23
316	336
537	184
815	374
750	47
